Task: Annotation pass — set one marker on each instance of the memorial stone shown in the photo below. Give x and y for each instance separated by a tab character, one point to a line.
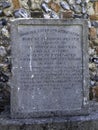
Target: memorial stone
49	68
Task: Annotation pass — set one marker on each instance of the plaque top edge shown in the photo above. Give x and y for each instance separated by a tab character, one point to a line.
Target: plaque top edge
35	21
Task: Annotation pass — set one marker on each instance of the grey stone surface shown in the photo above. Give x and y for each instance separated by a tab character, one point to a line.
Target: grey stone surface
65	123
49	66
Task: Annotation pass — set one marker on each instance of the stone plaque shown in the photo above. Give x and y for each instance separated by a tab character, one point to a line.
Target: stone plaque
49	67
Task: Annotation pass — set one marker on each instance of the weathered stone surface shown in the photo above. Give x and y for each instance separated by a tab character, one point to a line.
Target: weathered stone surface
65	123
48	67
8	13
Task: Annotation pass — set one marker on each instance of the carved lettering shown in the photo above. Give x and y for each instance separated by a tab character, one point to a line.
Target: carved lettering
48	67
53	58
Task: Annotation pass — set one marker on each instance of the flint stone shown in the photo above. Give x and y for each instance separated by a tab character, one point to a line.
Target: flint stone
77	8
95	60
54	15
71	2
45	8
49	67
65	5
77	16
84	10
94	23
2	51
5	4
3	21
36	14
21	13
5	32
78	1
1	13
95	78
90	9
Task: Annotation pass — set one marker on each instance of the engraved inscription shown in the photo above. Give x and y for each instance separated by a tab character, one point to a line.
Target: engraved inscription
50	63
49	68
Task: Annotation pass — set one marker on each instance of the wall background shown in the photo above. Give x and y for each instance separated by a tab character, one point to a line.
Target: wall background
67	9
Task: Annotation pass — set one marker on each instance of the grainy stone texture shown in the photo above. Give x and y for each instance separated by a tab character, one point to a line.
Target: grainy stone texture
42	60
68	123
88	11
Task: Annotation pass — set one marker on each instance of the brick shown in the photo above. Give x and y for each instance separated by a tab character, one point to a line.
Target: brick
96	7
54	6
95	92
93	33
67	14
94	17
16	4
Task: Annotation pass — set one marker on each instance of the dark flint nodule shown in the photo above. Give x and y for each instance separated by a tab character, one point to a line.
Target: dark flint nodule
45	8
21	13
4	22
3	77
95	60
5	4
